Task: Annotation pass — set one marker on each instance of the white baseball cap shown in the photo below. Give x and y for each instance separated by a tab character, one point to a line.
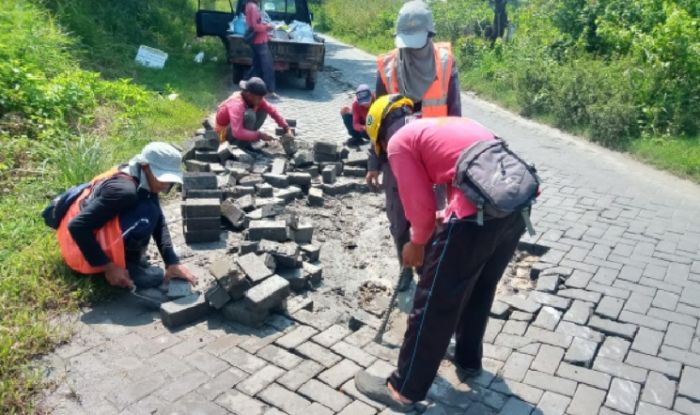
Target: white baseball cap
165	162
413	25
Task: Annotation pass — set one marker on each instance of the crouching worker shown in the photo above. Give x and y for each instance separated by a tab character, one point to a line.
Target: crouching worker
469	251
239	118
108	226
355	117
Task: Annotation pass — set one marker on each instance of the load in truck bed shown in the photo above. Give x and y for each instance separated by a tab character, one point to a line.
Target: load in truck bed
302	58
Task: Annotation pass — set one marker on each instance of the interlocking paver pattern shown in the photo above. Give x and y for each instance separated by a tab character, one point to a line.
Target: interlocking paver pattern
612	325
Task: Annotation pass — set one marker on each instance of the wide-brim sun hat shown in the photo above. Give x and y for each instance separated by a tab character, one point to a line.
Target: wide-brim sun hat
164	160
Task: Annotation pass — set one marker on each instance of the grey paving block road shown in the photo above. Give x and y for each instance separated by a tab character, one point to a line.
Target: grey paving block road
611	327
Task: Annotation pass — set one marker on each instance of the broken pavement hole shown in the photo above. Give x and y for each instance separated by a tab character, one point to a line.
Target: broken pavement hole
519	273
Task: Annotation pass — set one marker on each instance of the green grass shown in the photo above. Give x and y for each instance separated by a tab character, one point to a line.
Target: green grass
60	124
681	156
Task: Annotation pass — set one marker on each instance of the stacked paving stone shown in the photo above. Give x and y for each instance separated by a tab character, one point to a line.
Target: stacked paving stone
250	191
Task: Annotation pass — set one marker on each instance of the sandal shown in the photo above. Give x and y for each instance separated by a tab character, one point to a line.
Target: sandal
377	390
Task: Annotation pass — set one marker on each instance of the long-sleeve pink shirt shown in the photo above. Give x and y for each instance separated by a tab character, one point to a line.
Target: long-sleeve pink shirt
254	19
231	112
424	153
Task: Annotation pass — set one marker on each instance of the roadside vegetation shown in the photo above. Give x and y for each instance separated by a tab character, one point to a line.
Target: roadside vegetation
625	74
73	103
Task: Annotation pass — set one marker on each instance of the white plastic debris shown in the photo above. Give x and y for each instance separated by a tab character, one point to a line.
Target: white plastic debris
199	58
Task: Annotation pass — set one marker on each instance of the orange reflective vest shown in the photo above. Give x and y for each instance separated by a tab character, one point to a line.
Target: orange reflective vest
108	236
434	102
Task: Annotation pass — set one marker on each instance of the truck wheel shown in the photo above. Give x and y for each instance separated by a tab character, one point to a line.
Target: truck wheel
311	81
238	71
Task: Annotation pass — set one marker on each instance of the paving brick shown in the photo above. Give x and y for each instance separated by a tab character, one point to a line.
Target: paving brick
580	374
497	352
358	408
280	357
647	341
619	369
553	403
679	336
623	396
273	230
659	390
517	366
241	404
260	380
665	300
547	283
661	285
586	401
520	316
648	409
686	406
306	370
320	354
549	337
689	383
614	348
515	406
353	353
550	300
254	267
184	310
678	355
579	312
582	332
201	208
321	393
581	352
316	198
672	317
638	303
289	402
579	279
550	382
634	287
511	387
340	373
267	294
516	327
332	335
548	359
513	342
631	273
361	337
610	307
220	383
578	294
296	337
608	290
242	360
239	312
643	320
521	303
612	327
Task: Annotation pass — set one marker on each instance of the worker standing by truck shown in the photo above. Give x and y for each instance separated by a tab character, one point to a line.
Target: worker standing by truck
262	58
426	73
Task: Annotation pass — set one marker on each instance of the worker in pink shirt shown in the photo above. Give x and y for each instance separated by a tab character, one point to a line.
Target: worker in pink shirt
461	265
239	118
263	65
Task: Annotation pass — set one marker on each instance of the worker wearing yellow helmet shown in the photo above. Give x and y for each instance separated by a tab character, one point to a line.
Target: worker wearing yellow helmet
376	124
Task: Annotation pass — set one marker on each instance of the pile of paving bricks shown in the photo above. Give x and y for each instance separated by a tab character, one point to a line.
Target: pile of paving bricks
247	191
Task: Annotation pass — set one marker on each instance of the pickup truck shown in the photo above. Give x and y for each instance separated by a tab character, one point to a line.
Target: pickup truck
304	59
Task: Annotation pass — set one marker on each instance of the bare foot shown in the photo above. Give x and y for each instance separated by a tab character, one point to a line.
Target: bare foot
397	396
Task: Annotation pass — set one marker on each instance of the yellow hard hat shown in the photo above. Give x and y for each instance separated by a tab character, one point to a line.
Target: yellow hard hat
382	107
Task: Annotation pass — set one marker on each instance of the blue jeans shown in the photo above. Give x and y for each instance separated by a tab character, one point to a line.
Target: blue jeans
263	66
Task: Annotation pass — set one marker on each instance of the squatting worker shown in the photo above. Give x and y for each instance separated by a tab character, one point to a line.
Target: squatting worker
108	228
239	118
355	117
262	57
462	265
426	73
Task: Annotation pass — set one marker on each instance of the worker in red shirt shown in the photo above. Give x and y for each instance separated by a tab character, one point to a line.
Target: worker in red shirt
263	65
355	117
239	118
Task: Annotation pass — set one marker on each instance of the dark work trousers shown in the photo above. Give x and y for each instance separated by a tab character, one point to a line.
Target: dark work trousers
263	66
252	121
454	294
347	121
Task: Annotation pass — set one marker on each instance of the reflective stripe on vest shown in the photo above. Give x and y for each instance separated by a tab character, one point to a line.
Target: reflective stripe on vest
108	236
434	102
